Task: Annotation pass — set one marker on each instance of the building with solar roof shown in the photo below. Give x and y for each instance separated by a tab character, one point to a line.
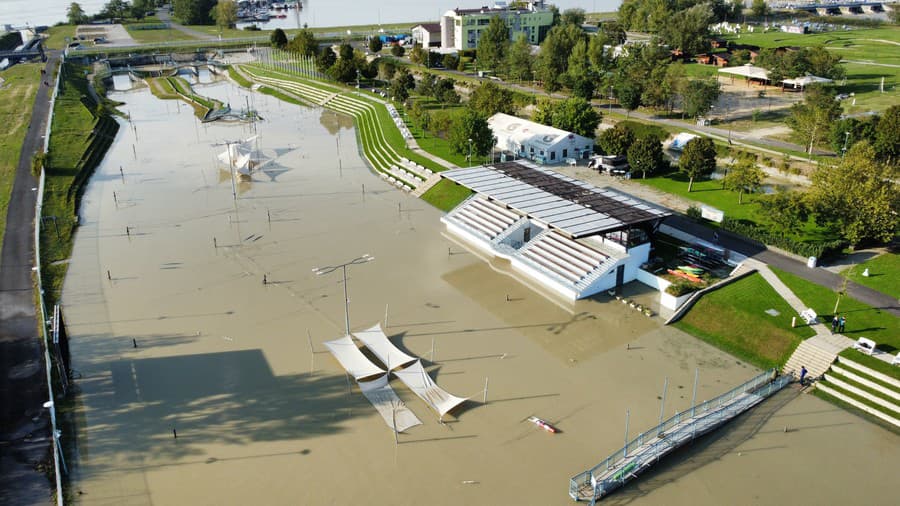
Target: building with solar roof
539	143
564	234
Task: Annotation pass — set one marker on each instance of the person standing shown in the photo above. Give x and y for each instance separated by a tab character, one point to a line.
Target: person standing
834	323
803	373
841	322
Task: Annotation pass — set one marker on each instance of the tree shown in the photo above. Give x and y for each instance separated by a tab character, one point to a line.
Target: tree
699	96
628	93
445	91
386	69
76	14
616	140
397	51
847	132
811	119
450	61
859	197
375	44
698	159
278	39
325	59
737	8
787	211
574	16
688	29
646	156
576	115
489	99
305	43
193	12
519	60
744	176
418	55
139	8
493	45
553	60
115	9
471	125
614	33
225	14
887	139
759	8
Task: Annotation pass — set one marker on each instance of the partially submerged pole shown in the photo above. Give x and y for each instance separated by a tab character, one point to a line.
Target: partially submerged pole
662	405
625	448
485	389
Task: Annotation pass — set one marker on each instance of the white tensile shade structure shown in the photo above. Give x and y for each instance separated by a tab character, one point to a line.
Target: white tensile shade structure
394	412
347	353
381	347
417	379
803	82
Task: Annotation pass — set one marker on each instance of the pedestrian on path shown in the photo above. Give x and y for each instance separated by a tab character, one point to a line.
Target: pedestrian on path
841	322
834	323
803	373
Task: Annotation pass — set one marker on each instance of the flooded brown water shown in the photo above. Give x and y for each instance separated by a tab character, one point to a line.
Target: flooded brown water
224	359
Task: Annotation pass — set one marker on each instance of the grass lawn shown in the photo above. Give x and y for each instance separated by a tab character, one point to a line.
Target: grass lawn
58	34
161	35
446	195
733	318
884	274
871	362
17	93
862	320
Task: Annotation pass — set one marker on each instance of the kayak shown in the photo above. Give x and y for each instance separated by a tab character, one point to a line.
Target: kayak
543	424
690	269
684	275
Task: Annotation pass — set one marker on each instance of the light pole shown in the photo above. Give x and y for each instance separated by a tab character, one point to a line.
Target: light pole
357	82
470	152
331	268
844	149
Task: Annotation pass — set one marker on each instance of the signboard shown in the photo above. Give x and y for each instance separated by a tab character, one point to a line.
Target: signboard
712	214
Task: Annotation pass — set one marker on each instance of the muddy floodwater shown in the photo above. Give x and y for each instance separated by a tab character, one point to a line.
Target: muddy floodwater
173	329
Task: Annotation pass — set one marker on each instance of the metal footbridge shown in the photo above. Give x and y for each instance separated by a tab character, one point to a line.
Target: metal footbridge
647	448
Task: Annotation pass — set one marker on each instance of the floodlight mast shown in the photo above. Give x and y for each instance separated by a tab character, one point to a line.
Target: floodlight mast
331	268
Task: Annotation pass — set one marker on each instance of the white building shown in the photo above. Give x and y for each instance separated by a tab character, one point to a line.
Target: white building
540	143
559	234
427	35
461	28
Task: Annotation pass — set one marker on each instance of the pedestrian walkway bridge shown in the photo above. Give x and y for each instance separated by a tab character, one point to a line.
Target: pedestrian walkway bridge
645	450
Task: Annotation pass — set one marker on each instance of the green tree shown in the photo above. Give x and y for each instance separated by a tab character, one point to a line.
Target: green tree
737	8
450	61
613	32
616	140
140	8
115	9
306	44
193	12
698	159
811	119
386	69
519	60
574	16
76	14
887	137
444	91
688	29
489	99
325	59
646	155
493	45
397	51
744	176
847	132
375	44
278	39
225	14
759	8
471	125
628	94
858	197
698	97
576	115
418	55
786	211
552	62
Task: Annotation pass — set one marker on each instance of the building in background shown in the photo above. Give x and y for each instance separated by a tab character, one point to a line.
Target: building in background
427	35
520	138
461	28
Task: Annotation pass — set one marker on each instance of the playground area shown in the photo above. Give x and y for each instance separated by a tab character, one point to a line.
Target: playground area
197	331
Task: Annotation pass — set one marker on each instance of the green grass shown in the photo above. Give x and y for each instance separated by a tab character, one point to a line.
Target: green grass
733	319
862	320
871	391
58	35
162	35
872	363
865	82
884	274
446	195
238	78
21	83
853	409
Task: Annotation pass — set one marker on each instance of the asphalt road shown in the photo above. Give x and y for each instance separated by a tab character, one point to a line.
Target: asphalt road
24	423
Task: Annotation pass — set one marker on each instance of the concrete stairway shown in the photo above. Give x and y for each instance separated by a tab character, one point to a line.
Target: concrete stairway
816	356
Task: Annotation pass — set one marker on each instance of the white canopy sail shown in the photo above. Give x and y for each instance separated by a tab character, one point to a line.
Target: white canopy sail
422	385
381	347
395	413
347	353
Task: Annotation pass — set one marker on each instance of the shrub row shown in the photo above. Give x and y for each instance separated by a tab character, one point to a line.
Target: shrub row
763	235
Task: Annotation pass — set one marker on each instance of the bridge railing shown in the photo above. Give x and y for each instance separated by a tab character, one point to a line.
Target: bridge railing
761	384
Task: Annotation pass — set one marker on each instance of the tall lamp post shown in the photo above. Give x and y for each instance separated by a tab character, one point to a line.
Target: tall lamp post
470	152
331	268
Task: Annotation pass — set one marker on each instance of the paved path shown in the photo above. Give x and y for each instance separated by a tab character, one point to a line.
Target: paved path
163	16
24	424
